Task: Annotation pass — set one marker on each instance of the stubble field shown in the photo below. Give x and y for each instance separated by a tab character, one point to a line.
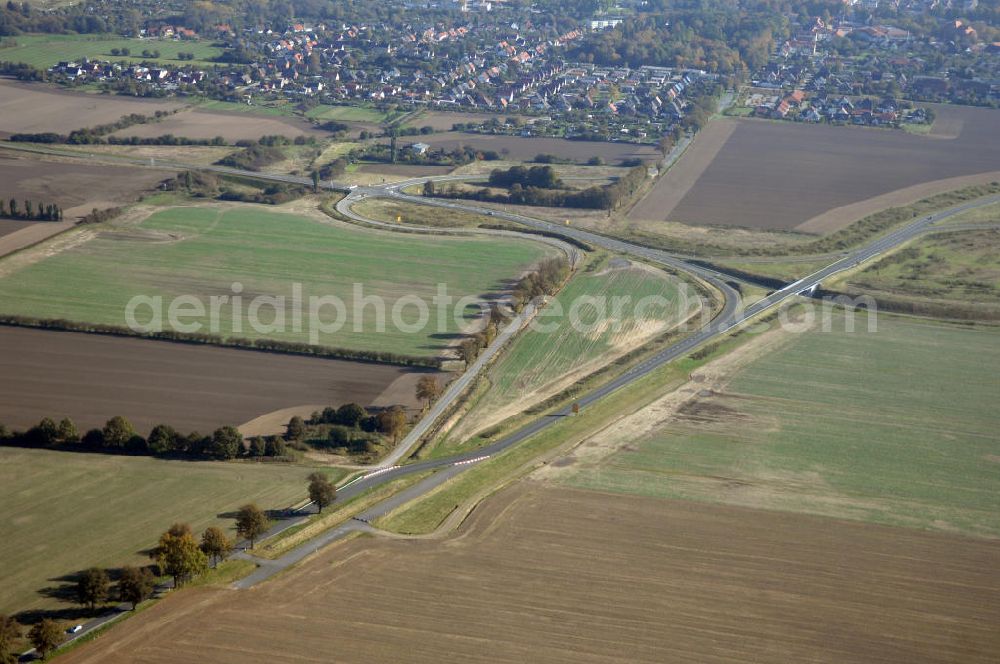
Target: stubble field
816	178
65	512
555	575
896	426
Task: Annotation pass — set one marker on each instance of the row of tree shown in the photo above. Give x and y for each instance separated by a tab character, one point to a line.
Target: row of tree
547	279
30	211
118	436
604	197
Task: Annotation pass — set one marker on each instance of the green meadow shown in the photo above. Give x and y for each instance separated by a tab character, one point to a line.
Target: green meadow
245	252
44	51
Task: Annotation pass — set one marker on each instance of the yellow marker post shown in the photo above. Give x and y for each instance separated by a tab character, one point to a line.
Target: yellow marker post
399	218
567	222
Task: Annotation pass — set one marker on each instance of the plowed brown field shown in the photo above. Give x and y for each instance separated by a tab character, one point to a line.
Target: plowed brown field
780	175
91	378
554	575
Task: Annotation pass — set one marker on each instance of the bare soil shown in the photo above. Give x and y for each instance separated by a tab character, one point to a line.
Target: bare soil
233	126
8	226
35	108
91	378
75	186
818	178
554	575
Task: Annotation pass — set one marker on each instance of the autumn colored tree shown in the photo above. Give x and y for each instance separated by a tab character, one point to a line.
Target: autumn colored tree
216	545
428	389
45	636
391	422
178	555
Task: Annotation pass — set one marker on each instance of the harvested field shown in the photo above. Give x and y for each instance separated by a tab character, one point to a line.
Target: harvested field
896	426
35	108
91	378
67	511
16	235
198	124
75	186
817	178
520	148
553	575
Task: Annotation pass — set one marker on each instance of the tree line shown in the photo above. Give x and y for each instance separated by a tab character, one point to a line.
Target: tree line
602	197
30	211
546	280
118	436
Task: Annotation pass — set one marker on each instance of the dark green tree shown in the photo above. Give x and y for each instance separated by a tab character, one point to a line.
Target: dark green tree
93	588
135	585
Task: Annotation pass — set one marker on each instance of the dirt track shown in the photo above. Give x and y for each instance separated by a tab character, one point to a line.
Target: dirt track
91	378
553	575
782	174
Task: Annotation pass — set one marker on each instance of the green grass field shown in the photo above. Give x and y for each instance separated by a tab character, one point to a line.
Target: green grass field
280	108
203	251
531	370
44	51
895	427
64	511
347	114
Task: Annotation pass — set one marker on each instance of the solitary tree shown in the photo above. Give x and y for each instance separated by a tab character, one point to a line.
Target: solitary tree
10	631
321	491
135	585
215	544
45	636
391	422
13	207
315	179
296	429
428	389
93	588
251	523
429	188
117	432
178	554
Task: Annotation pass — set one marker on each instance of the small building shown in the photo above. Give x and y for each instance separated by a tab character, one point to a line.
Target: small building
420	148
